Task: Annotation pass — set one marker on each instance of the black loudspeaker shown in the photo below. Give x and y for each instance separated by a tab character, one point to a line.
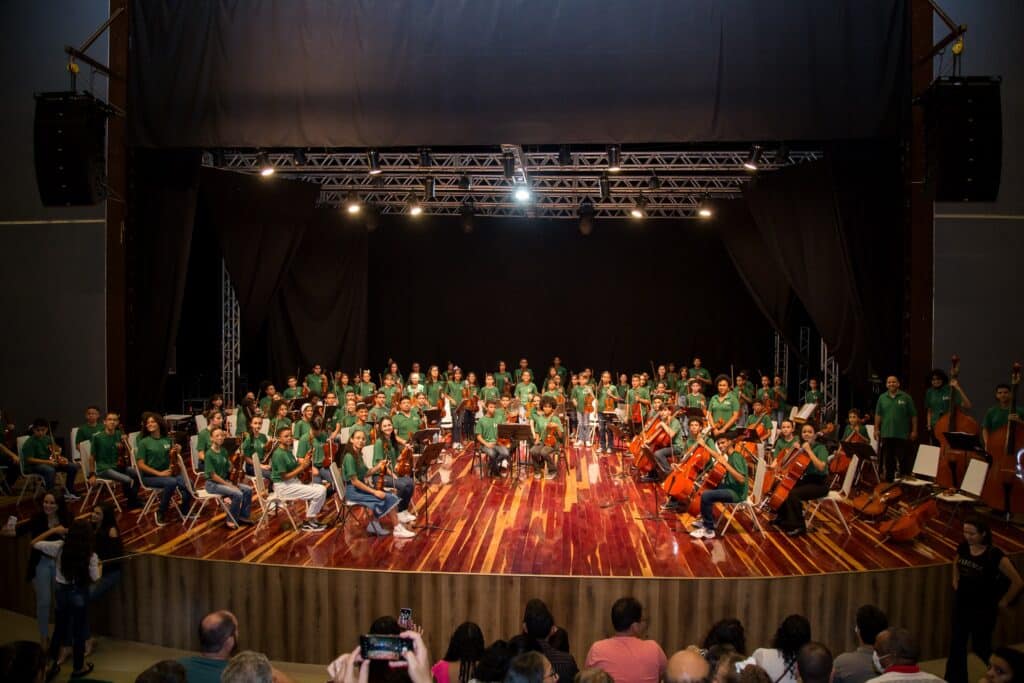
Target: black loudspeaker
70	134
964	129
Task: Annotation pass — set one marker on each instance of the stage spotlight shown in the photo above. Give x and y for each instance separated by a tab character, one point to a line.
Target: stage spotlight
266	168
374	160
586	214
606	192
218	158
522	193
508	164
753	159
465	182
564	156
299	157
430	189
426	159
782	154
415	207
352	204
704	208
467	216
614	162
654	182
639	209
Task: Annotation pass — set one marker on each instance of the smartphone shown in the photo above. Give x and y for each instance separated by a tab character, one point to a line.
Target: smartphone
380	647
405	617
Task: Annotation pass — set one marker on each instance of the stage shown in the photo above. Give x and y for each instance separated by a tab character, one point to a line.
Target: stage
575	541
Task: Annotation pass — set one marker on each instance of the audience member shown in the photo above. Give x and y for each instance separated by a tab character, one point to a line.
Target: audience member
727	632
530	667
559	639
538	623
218	640
465	648
1005	665
722	661
493	664
752	673
687	666
858	666
896	655
22	661
166	671
814	663
352	668
247	667
780	659
51	521
592	675
626	655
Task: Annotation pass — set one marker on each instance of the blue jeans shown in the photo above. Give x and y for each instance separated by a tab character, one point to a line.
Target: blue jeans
49	473
661	457
707	504
110	578
495	456
128	482
72	622
43	582
240	495
585	431
403	489
323	474
379	506
167	485
604	432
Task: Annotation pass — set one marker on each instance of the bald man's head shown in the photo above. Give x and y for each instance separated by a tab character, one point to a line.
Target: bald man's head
218	634
687	666
899	645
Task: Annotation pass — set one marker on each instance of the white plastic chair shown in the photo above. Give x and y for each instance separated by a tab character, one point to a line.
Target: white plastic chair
193	450
77	449
93	491
835	497
201	422
970	488
36	481
267	498
231	423
926	464
343	435
749	505
368	456
151	494
346	508
265	427
200	497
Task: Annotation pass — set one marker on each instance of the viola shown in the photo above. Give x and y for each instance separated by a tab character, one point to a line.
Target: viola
330	452
175	464
122	449
953	421
588	403
910	524
875	502
551	435
609	403
237	461
403	467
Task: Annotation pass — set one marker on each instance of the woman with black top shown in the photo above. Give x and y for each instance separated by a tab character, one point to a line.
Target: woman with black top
108	547
53	516
78	567
981	573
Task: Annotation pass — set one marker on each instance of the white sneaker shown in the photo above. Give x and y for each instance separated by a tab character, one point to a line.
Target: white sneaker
578	443
588	443
401	532
704	534
404	517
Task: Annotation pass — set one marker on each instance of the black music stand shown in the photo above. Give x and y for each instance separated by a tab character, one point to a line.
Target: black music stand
329	412
433	417
516	434
421	472
864	452
655	485
425	437
295	404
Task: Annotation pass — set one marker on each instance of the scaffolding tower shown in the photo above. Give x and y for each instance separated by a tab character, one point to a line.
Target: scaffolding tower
781	365
230	338
829	386
804	371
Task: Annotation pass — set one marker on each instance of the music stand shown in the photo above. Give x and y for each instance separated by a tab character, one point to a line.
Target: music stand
421	472
655	485
329	412
965	443
295	405
865	454
433	417
425	437
805	413
516	433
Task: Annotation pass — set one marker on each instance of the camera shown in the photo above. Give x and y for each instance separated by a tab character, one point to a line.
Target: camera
383	647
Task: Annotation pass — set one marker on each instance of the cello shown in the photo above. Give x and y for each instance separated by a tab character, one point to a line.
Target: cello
953	421
910	524
682	481
792	469
643	445
1005	446
710	478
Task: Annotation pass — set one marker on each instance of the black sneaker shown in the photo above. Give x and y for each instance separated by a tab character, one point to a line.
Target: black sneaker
160	521
311	525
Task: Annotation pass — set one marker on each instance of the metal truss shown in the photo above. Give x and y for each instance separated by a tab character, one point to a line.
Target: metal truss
829	385
230	337
803	371
781	364
671	182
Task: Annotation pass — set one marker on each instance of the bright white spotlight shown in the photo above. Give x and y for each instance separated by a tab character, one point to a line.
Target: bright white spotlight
753	161
353	208
415	207
704	209
614	159
522	193
266	168
352	204
639	209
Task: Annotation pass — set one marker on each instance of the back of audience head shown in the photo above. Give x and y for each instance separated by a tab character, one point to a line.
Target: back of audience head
167	671
627	616
752	673
559	639
494	662
248	667
898	645
22	661
529	667
466	646
722	661
793	633
814	663
1005	665
687	666
537	619
870	622
726	632
593	675
218	634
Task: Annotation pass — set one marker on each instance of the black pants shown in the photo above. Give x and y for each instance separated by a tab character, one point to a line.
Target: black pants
791	514
970	621
896	451
72	623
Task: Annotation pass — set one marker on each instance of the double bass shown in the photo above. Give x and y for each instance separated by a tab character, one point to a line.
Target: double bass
953	421
1005	445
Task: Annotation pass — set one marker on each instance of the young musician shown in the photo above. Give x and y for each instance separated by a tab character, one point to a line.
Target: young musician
405	423
153	456
255	443
695	398
732	489
779	394
699	373
215	404
759	420
812	484
813	393
580	394
394	373
293	390
940	394
674	430
315	382
1000	414
490	390
504	411
414	387
313	445
341	384
284	472
204	438
38	458
639	401
895	429
525	390
453	390
694	437
560	369
766	396
388	390
104	448
502	378
553	375
855	426
387	449
745	394
724	408
605	392
487	438
380	408
362	424
267	400
539	425
469	418
623	386
92	426
348	418
279	416
787	437
357	490
661	376
366	386
218	481
554	392
524	366
245	411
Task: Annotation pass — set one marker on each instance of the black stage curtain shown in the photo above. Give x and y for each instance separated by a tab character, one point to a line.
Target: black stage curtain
627	294
319	314
478	72
164	187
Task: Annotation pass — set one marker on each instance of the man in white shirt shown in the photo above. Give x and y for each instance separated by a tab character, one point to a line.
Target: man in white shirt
896	655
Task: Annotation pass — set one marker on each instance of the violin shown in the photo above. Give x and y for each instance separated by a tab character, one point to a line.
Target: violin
237	461
551	434
123	450
381	472
588	403
55	455
609	403
403	467
173	454
953	421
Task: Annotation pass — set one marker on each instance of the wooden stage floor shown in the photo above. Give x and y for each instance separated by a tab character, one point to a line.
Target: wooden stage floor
586	524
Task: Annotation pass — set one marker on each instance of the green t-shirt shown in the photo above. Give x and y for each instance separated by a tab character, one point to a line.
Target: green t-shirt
679	440
748	391
524	392
765	421
292	393
501	379
691	442
36	447
365	428
698	373
696	401
499	414
723	408
540	425
367	389
603	392
737	486
315	383
104	449
377	413
631	398
896	413
241	421
253	446
861	429
487	428
154	452
813	473
997	417
779	394
519	373
561	372
353	466
622	389
86	432
384	449
433	392
265	404
279	423
784	445
348	419
203	440
405	425
300	429
317	448
216	462
490	393
281	463
553	394
937	401
579	394
813	396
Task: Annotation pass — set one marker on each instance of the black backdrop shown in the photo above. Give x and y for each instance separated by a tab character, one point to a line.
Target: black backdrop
628	293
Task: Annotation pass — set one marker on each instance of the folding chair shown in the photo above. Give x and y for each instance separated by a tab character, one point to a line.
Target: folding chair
193	451
926	465
201	422
93	491
834	497
749	505
343	435
970	488
77	455
346	508
150	494
267	498
231	423
265	427
36	481
200	497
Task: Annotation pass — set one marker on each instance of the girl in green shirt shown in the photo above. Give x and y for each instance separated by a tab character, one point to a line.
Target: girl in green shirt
812	484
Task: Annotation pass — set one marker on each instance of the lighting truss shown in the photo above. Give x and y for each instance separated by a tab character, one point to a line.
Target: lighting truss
558	188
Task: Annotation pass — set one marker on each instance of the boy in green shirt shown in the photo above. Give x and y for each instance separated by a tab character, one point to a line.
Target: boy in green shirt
316	382
35	459
639	402
267	400
502	378
525	389
218	481
293	390
284	472
203	439
732	489
524	366
541	453
699	373
487	438
366	386
92	426
580	393
855	426
1001	413
104	451
255	443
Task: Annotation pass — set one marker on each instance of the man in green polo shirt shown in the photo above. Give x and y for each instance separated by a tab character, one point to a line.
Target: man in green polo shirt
723	408
104	449
1001	413
487	438
895	429
218	639
732	489
406	424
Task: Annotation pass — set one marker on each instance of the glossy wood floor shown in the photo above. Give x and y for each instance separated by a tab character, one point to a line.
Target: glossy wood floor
587	522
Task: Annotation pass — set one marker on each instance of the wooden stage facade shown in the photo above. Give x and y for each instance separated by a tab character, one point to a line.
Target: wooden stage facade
578	542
